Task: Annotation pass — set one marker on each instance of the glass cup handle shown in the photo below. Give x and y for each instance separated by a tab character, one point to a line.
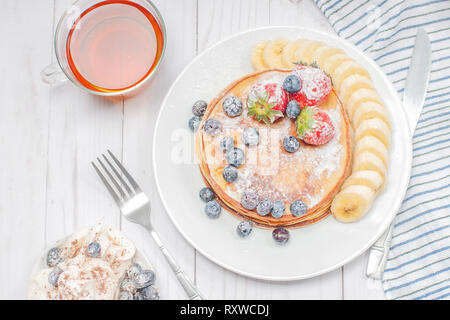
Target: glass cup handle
53	74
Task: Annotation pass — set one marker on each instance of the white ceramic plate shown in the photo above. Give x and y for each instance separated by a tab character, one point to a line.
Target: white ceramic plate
312	250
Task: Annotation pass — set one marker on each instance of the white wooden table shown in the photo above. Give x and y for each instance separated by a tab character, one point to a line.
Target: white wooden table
48	136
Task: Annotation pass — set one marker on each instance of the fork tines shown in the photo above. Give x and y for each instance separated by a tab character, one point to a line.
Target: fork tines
118	181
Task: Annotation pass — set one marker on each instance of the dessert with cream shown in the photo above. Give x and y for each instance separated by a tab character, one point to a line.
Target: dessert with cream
96	263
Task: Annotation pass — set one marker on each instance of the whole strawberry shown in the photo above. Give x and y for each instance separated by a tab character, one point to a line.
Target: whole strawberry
267	102
314	126
316	85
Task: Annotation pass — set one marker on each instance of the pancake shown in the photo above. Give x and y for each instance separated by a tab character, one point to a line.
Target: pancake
313	174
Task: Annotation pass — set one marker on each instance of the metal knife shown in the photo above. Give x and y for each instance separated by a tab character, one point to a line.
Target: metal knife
413	99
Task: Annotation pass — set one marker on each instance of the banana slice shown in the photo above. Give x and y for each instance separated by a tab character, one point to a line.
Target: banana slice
368	110
368	178
346	69
330	64
298	53
272	53
360	96
367	160
323	53
374	127
352	84
305	53
374	145
256	58
288	55
352	203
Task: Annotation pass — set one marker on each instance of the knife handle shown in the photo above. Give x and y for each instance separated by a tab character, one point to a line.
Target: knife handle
378	255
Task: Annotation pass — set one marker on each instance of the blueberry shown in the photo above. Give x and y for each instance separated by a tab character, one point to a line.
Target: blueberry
126	295
133	271
232	106
292	84
244	228
249	199
298	208
213	209
53	257
144	279
250	137
293	109
235	157
226	143
230	173
127	285
280	235
93	249
264	207
278	209
149	293
206	194
291	144
53	276
199	108
194	123
212	127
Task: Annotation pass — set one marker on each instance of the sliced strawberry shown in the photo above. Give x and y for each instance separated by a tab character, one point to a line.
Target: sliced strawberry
267	102
316	85
314	126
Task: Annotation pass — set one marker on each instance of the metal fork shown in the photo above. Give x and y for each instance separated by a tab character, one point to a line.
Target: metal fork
135	207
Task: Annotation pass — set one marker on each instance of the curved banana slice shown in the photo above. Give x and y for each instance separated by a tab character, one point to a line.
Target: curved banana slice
352	203
323	53
299	52
360	96
330	64
366	160
369	178
256	58
345	70
369	110
374	145
306	52
288	55
272	53
374	127
351	84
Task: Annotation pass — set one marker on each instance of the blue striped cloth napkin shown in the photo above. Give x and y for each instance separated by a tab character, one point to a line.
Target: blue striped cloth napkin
418	265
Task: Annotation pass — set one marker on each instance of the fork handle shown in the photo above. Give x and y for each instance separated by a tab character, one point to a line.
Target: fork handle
190	289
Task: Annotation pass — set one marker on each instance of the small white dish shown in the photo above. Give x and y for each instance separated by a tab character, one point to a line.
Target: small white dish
312	250
41	263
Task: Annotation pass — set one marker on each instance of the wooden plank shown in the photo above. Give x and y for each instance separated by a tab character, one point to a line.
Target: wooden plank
81	127
301	13
219	19
356	285
26	35
140	115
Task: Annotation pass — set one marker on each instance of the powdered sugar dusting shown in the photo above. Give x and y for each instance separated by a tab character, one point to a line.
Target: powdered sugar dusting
314	82
269	169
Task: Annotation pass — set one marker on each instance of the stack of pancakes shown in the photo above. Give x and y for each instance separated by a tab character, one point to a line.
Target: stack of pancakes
313	174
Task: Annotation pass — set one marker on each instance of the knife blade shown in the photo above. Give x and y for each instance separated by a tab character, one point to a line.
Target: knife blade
416	85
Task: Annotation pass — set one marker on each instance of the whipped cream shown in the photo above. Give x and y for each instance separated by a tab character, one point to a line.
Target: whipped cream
82	276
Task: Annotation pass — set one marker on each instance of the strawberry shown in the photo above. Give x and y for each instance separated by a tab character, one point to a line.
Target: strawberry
316	85
267	102
314	126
